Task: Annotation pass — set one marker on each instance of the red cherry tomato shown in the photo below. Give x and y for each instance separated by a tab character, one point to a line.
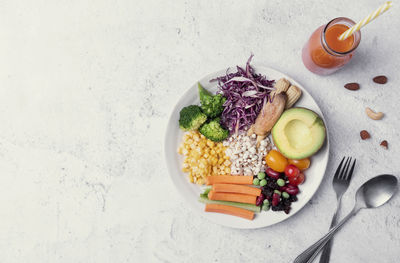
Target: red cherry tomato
292	171
299	179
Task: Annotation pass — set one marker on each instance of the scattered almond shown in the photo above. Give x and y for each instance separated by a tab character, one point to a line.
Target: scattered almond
364	135
384	144
380	79
352	86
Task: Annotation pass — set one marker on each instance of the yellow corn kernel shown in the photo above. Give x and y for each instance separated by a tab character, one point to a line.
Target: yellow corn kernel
210	143
203	157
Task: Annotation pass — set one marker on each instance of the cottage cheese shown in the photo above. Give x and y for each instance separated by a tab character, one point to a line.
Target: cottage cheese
246	158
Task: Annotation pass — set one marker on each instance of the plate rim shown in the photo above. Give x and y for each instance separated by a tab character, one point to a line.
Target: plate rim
258	68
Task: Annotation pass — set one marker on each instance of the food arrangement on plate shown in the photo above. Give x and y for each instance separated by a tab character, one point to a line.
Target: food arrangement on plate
249	143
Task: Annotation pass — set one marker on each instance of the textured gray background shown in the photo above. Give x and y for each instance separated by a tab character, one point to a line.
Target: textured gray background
86	89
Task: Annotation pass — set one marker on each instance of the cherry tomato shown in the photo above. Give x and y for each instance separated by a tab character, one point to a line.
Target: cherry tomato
299	179
276	161
291	171
302	164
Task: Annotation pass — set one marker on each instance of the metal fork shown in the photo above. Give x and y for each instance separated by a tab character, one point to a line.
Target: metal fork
340	184
341	181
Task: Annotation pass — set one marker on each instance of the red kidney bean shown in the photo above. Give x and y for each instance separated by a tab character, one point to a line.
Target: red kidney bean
292	189
260	199
275	199
283	188
273	174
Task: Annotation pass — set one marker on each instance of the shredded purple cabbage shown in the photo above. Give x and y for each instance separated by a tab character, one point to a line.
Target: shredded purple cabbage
246	93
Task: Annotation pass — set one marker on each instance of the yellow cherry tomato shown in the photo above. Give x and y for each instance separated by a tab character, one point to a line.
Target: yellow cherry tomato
276	161
302	164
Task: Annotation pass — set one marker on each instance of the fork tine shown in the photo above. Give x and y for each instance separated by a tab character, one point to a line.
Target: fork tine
350	174
338	169
345	169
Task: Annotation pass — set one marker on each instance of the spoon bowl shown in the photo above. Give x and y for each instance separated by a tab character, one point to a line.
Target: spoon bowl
376	191
373	193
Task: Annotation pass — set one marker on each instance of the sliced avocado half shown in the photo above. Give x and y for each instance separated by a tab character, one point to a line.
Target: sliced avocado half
299	133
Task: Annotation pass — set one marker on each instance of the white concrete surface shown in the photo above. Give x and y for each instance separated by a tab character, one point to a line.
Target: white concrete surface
86	89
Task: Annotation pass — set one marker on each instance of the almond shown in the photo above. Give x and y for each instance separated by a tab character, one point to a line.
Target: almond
352	86
384	144
380	79
365	135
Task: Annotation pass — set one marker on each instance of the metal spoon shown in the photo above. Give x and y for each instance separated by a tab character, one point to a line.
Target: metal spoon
373	193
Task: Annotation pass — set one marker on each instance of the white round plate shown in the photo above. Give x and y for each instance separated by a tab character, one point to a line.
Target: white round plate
190	192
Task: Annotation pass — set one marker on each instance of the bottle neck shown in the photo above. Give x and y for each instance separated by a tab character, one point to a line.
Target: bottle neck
332	30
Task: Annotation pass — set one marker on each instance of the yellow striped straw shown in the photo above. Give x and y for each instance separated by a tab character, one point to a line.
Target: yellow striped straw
382	9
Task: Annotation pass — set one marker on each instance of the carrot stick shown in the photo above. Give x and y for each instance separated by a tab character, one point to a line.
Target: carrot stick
235	188
230	210
229	179
241	198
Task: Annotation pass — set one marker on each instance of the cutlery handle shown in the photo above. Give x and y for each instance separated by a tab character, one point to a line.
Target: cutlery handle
310	253
326	253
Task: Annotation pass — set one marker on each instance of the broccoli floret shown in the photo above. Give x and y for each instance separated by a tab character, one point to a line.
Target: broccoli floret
212	105
214	131
191	118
